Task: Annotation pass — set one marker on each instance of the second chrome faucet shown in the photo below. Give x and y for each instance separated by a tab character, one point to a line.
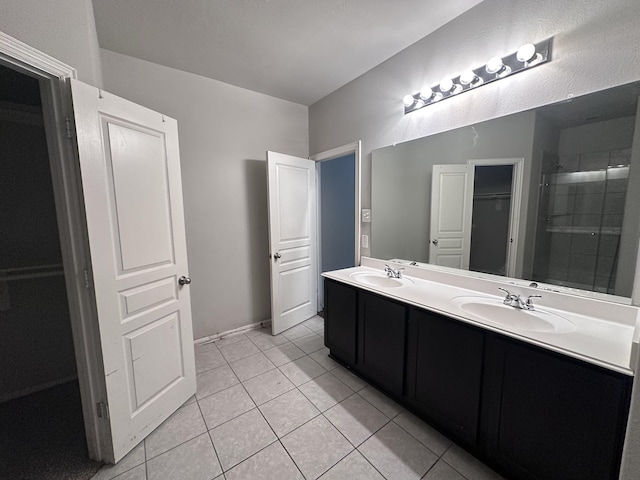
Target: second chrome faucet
517	301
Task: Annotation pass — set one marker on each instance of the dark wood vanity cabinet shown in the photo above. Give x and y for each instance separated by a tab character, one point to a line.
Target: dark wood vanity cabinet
381	341
340	322
532	413
549	416
444	372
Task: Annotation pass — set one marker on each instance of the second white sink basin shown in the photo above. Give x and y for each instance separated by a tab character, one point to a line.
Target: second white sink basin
494	312
374	279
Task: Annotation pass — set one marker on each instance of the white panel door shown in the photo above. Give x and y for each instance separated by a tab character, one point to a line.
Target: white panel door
130	169
292	239
451	213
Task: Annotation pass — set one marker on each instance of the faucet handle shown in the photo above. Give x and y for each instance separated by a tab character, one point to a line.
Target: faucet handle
508	297
399	272
529	302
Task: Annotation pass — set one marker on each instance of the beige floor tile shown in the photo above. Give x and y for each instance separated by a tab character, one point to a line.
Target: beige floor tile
225	405
302	370
353	467
267	386
193	460
356	419
186	423
396	454
316	447
325	391
288	412
271	463
240	438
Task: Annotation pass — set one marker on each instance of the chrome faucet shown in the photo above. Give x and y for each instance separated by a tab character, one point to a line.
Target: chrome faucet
393	273
517	301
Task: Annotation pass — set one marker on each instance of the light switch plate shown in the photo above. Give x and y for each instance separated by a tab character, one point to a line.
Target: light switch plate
366	215
365	241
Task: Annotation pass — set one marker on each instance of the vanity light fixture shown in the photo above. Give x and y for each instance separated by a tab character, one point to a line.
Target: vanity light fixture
527	56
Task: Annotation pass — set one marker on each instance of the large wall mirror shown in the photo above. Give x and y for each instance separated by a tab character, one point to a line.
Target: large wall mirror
550	195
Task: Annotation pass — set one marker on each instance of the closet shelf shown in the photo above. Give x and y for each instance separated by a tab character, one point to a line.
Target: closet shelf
27	273
585	230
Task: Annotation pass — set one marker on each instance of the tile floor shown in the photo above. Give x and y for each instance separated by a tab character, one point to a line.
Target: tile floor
279	408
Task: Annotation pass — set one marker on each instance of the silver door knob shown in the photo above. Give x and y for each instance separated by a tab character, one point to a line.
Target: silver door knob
434	241
184	280
277	256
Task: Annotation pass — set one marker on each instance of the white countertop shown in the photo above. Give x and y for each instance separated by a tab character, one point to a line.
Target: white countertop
604	333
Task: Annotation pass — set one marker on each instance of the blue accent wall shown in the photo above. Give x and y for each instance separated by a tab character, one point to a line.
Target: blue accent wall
337	210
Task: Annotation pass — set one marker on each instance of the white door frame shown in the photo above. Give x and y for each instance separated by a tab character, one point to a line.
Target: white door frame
355	148
53	76
516	202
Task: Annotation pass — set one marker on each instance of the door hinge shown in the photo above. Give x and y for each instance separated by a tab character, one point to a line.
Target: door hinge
67	122
87	283
103	410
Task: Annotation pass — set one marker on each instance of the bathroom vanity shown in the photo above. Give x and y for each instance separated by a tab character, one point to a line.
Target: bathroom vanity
541	394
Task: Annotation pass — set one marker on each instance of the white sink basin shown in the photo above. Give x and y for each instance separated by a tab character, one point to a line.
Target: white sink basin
493	312
374	279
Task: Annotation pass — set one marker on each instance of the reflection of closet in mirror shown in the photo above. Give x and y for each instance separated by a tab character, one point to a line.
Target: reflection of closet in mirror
490	220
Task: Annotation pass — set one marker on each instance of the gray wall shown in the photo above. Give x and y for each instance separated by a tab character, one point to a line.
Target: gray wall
595	47
225	132
401	182
64	29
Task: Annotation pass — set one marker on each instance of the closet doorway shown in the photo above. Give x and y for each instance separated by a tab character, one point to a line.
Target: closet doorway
338	190
41	418
497	200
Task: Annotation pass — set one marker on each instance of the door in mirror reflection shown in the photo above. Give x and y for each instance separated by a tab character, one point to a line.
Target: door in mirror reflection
451	210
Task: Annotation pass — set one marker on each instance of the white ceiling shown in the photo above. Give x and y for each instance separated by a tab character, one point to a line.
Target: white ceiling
298	50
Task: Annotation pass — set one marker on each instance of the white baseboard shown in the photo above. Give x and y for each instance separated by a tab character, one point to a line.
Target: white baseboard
235	331
36	388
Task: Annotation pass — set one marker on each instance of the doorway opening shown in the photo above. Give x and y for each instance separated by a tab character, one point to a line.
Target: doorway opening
497	199
338	178
41	416
490	236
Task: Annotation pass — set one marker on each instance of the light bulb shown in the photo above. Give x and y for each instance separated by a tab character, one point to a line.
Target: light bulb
446	84
468	77
494	65
526	52
426	93
408	100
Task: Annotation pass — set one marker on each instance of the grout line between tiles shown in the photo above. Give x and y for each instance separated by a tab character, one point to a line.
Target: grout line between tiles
369	462
210	439
418	440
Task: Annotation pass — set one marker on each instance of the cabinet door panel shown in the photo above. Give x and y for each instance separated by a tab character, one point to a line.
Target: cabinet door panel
555	417
381	334
340	321
444	372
